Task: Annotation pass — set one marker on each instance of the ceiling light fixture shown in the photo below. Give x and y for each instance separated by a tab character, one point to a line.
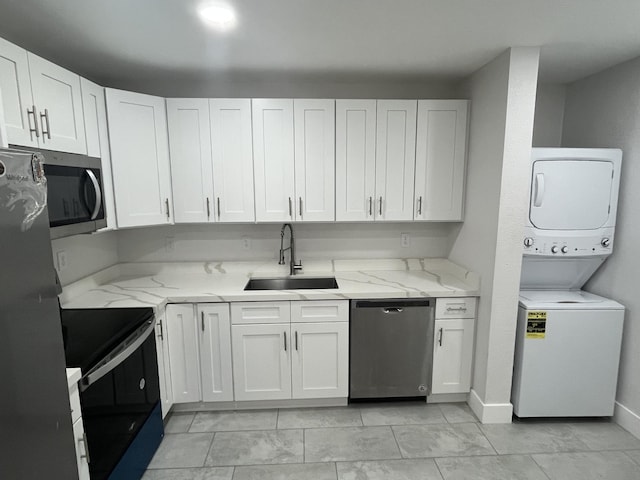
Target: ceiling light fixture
218	15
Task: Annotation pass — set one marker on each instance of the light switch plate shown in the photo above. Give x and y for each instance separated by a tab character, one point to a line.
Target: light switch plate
405	240
61	260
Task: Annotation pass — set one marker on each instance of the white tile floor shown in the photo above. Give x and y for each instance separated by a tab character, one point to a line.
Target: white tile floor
389	442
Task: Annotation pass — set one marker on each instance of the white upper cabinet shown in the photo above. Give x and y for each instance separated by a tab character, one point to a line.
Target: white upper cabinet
97	134
273	163
314	159
190	152
395	159
58	99
140	158
440	159
15	85
355	160
232	159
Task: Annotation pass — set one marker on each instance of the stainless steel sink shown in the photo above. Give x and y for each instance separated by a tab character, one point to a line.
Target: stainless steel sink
291	283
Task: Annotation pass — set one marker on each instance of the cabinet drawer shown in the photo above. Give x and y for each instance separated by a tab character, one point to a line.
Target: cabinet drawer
74	398
320	311
260	312
456	307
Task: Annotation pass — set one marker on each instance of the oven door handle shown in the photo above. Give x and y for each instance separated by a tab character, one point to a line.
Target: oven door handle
117	356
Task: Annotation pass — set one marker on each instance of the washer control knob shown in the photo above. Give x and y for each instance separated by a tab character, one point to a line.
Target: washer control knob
528	242
605	242
554	249
564	249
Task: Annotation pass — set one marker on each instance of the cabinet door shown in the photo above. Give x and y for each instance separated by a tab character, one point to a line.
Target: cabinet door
232	159
261	361
395	159
355	159
184	353
273	159
97	135
440	159
452	355
81	450
164	370
320	360
15	86
215	352
190	153
314	160
57	96
139	158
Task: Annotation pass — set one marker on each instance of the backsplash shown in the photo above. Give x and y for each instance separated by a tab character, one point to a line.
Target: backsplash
317	241
84	255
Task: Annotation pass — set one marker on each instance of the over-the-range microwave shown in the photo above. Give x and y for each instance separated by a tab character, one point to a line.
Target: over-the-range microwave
74	192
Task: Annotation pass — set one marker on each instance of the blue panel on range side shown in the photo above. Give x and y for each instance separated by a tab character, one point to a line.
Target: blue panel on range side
136	459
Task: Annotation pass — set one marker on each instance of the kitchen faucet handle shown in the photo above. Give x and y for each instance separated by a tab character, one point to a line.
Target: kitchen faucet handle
297	267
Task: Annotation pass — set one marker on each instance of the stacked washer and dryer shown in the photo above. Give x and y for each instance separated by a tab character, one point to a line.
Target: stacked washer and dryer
568	340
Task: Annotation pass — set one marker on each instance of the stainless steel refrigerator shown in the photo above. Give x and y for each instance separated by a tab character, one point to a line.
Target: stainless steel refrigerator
35	415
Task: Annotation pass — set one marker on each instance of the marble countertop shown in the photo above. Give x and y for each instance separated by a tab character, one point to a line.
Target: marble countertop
155	285
73	376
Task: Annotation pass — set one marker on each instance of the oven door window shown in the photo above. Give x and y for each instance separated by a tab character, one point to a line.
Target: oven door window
115	407
74	195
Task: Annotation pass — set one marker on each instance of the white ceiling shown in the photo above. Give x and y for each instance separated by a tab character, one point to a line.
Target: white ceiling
128	39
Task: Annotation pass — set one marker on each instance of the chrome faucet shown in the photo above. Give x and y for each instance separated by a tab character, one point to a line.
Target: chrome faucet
293	266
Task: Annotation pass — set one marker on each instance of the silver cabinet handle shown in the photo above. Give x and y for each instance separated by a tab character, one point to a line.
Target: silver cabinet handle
370	206
96	188
208	209
35	122
300	200
285	341
166	204
380	206
440	337
86	447
296	340
290	208
202	320
420	205
44	118
161	336
456	309
218	205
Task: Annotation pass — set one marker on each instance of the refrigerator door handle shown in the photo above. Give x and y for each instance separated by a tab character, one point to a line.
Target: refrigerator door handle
117	356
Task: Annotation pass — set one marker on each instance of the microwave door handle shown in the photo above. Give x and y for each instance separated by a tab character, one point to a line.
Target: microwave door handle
96	188
102	369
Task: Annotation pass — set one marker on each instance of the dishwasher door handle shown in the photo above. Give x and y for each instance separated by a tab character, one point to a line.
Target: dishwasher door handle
392	309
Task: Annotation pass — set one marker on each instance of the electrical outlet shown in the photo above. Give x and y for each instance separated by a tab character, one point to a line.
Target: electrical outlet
405	240
246	243
169	244
61	258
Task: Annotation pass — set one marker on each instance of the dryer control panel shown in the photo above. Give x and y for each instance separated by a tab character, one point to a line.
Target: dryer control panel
568	244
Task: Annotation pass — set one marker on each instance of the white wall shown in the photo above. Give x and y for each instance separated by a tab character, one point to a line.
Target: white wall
86	254
313	241
604	111
501	127
547	126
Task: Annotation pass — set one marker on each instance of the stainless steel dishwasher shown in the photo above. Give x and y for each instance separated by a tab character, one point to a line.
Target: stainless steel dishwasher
391	348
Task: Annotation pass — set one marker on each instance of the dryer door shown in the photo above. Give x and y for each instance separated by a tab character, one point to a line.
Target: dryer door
570	194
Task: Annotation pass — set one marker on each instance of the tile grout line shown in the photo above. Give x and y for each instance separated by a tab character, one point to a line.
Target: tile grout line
397	443
435	461
539	466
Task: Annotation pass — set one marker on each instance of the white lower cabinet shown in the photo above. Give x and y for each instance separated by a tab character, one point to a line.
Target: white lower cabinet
199	352
164	372
82	459
306	357
453	346
261	361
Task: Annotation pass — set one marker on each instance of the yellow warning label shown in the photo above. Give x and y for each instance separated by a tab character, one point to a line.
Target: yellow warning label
536	324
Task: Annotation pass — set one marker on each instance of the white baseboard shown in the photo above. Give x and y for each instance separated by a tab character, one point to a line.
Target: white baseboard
490	412
627	419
